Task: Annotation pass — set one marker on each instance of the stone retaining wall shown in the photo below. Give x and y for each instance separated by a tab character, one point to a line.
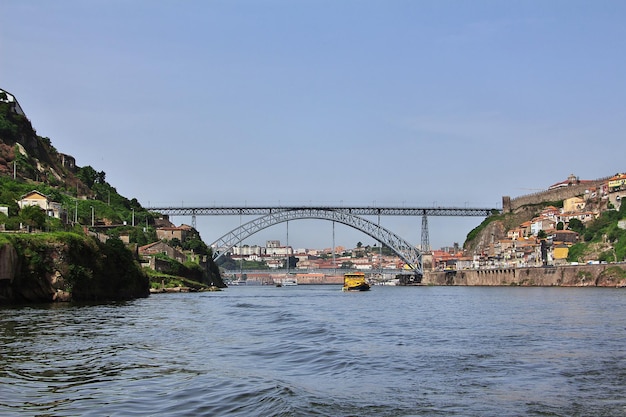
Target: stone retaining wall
563	276
510	205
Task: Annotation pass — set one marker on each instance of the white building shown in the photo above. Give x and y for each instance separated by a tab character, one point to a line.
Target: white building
35	198
7	97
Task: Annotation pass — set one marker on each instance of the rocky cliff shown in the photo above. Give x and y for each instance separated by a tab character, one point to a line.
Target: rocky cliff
67	266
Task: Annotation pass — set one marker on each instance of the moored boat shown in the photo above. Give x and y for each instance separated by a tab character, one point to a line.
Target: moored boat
355	281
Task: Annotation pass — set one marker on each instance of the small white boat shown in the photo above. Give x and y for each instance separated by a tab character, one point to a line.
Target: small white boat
287	282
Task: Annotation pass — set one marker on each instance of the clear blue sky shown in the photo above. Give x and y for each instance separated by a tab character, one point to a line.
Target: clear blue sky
415	103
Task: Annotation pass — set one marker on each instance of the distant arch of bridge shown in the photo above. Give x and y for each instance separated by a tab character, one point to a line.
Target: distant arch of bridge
405	251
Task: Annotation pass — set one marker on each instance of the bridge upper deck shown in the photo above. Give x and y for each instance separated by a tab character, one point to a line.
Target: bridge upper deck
356	210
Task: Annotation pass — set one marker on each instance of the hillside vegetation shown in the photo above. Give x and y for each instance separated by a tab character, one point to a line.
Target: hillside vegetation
29	162
63	266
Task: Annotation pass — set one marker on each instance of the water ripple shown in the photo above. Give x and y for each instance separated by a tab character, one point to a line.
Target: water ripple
318	352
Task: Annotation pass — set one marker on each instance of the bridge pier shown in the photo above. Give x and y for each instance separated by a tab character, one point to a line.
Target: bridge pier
425	238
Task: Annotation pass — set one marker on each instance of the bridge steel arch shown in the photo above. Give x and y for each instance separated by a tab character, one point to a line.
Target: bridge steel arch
399	246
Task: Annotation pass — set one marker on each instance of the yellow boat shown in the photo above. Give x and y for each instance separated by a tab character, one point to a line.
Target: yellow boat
355	281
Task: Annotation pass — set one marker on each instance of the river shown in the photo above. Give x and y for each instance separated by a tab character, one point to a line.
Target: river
316	351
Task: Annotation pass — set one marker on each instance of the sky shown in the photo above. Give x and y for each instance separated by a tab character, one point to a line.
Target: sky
413	103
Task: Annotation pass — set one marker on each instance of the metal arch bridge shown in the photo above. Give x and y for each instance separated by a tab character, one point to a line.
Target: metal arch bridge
401	247
349	216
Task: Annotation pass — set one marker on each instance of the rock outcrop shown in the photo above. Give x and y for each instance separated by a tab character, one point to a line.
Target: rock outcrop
67	266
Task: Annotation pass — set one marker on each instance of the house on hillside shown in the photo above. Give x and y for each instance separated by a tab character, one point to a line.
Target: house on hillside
152	249
559	254
550	212
573	204
617	183
9	98
516	233
527	252
539	224
169	233
35	198
567	237
570	181
617	190
525	228
583	216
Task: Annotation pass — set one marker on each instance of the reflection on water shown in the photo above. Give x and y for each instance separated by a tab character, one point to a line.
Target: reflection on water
314	350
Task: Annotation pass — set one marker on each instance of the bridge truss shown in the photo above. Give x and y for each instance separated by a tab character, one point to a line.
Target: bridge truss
401	247
357	211
350	216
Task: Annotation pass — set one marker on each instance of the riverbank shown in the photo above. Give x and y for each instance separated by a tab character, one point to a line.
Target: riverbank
603	275
598	275
183	290
64	266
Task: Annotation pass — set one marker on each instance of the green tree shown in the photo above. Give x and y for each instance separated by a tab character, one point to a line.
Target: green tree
576	252
101	177
33	216
134	203
8	128
8	198
197	246
226	262
576	226
560	226
87	175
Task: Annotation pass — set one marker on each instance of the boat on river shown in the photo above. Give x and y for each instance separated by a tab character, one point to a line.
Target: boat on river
287	282
355	281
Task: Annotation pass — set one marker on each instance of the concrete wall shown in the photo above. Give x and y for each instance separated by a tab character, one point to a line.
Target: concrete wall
563	276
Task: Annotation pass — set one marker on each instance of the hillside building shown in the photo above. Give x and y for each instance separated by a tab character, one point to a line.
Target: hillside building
7	97
35	198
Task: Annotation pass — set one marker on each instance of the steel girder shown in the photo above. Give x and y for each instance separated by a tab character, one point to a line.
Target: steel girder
401	247
358	211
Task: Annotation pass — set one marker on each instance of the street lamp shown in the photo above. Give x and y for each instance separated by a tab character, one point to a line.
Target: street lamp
92	216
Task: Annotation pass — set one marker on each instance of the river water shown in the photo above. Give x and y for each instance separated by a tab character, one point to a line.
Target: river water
316	351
